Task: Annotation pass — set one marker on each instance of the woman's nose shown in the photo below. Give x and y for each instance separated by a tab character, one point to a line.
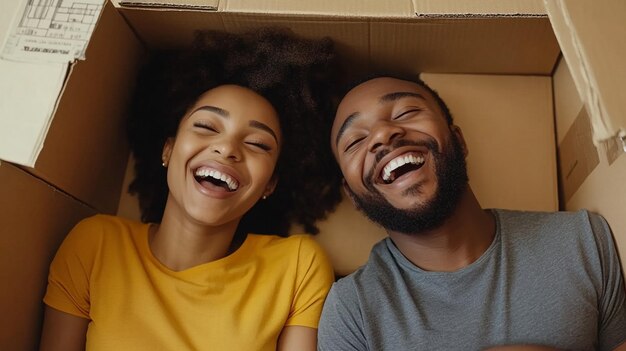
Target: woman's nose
227	150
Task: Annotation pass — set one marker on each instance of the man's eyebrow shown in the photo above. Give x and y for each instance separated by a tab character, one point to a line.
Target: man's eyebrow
399	95
214	109
260	125
345	125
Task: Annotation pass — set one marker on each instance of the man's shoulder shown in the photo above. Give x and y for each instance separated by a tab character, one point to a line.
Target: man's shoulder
554	222
544	216
550	232
368	275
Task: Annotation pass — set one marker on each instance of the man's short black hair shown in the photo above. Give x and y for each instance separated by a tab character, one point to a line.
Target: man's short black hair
401	76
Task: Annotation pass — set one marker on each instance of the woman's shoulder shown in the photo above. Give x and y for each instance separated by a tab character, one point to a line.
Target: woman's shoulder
299	243
100	227
301	249
104	220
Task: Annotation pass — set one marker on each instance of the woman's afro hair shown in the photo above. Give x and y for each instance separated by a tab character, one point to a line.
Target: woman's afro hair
294	74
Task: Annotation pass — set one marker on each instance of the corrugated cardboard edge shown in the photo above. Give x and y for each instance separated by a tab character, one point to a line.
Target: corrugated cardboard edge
158	5
478	15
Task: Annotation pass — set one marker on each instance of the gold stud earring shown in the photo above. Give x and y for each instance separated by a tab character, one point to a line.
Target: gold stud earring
264	197
164	164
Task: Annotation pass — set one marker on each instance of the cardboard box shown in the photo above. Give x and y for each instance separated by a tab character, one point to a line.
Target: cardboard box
34	219
496	63
85	151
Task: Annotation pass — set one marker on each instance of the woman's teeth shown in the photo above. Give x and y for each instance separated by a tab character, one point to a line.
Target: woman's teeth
204	173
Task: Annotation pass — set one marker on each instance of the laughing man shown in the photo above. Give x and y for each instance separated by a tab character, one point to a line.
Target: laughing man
452	275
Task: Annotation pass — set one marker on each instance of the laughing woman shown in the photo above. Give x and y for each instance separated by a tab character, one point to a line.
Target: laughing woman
225	146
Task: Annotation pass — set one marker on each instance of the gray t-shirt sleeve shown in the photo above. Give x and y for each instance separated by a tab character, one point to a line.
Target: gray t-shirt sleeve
612	304
340	327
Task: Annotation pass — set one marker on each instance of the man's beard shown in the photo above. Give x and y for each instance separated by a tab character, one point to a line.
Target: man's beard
451	172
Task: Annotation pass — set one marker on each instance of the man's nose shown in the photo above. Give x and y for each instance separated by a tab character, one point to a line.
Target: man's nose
383	133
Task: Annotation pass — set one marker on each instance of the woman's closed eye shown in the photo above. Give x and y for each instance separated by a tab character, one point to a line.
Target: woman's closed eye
259	145
205	126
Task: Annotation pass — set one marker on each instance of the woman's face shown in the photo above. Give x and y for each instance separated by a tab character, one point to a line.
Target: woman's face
223	157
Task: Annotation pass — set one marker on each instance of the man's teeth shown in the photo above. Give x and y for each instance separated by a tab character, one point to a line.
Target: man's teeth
399	162
232	184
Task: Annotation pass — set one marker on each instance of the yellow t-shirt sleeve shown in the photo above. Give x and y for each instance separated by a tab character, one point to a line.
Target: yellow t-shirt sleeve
70	270
314	278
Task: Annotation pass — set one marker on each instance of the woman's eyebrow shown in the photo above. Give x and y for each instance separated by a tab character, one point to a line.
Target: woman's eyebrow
218	111
260	125
225	114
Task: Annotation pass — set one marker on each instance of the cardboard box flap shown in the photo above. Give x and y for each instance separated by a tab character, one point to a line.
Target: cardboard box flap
206	5
485	8
592	40
509	45
85	150
356	8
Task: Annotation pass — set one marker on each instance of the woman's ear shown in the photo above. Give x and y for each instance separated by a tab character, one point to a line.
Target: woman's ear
167	151
458	134
270	187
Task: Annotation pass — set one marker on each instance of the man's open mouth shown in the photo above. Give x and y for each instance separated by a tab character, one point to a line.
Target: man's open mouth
401	165
207	176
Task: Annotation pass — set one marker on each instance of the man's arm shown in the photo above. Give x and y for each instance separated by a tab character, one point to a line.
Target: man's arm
612	303
63	331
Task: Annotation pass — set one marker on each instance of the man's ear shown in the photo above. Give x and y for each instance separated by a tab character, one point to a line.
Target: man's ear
167	151
458	134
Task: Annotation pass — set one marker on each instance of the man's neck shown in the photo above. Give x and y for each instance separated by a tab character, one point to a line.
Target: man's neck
460	241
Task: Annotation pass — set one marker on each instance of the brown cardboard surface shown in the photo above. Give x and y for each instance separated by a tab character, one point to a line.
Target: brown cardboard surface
592	39
577	155
482	45
85	151
509	129
34	218
567	103
509	45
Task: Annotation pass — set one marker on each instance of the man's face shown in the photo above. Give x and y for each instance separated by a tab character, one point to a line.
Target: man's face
403	165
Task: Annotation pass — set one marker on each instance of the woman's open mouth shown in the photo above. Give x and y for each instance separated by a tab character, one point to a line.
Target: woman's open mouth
207	176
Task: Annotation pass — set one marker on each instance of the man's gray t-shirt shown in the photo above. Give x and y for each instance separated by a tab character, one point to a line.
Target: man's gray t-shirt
551	279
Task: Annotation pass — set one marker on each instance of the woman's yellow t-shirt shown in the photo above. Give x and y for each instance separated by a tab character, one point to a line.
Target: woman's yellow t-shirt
105	272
